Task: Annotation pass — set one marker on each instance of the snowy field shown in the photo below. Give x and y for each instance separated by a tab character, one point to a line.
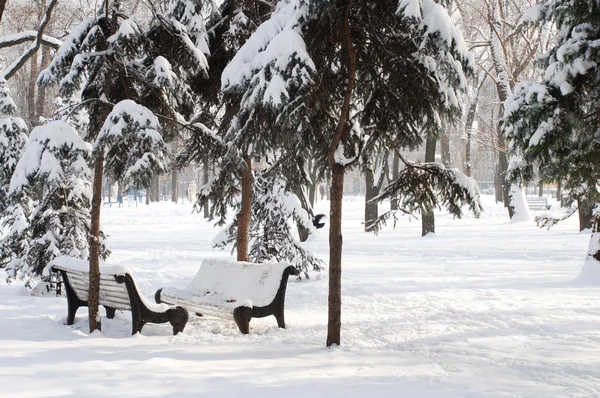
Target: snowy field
484	308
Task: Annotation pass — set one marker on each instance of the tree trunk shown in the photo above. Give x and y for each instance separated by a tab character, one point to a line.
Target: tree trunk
94	285
371	208
336	193
395	172
205	178
243	218
31	90
541	189
469	129
94	292
586	209
156	188
590	273
336	190
559	192
502	169
303	233
428	217
41	97
174	187
445	148
148	194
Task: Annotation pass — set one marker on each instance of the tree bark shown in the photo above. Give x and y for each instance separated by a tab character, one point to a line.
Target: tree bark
174	187
336	190
336	193
541	189
31	90
243	218
469	129
40	104
428	217
371	208
156	188
559	192
445	148
586	210
205	177
94	285
94	292
395	172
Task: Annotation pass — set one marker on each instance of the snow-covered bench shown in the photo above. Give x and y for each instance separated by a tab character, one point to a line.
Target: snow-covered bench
538	203
237	290
117	292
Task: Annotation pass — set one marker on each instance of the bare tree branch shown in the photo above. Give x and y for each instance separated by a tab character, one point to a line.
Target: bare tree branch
7	74
20	38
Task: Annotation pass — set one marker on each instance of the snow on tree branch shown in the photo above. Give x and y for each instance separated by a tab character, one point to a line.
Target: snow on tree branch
134	146
30	35
264	61
12	69
61	63
423	187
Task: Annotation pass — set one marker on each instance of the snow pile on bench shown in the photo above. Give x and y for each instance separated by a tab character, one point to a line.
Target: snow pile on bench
231	284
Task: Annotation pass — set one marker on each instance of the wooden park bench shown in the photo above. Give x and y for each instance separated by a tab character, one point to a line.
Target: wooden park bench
117	292
538	203
237	290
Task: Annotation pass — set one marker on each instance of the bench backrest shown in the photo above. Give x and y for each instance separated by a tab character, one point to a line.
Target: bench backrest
113	290
538	199
239	282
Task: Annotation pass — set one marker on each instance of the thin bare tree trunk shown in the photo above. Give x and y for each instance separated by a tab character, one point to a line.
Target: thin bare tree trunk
156	189
428	216
174	187
395	172
586	213
559	192
41	97
31	90
205	181
541	189
445	148
243	218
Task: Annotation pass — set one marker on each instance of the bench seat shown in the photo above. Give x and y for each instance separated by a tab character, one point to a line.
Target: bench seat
118	291
238	290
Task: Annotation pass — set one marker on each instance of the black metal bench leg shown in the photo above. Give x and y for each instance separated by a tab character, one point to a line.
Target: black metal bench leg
242	317
280	318
110	312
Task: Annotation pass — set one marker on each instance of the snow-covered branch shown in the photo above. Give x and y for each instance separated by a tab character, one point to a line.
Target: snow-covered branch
24	37
18	64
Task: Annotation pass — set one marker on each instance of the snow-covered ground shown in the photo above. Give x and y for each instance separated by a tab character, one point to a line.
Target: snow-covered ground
482	309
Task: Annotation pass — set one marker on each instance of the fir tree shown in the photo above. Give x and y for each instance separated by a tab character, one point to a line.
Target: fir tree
13	138
55	162
274	209
554	122
331	79
116	65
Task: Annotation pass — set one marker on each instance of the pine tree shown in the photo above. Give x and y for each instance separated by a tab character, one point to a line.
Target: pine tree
125	75
13	138
274	209
554	122
330	79
229	26
55	162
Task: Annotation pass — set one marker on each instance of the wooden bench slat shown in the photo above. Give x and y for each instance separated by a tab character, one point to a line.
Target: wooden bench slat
121	295
241	290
